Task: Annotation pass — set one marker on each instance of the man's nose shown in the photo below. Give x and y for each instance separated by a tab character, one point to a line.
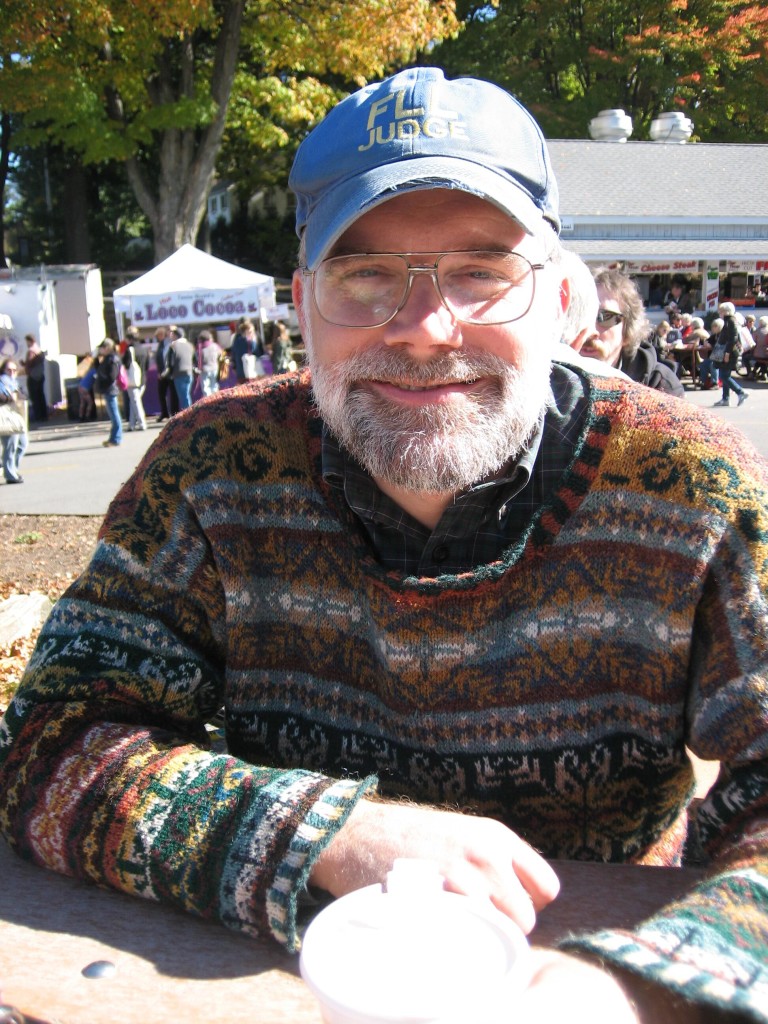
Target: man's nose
424	322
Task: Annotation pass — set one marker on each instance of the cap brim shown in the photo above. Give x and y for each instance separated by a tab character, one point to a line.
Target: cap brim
341	207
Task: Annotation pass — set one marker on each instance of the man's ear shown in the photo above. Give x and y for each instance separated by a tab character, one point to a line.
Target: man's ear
297	292
565	294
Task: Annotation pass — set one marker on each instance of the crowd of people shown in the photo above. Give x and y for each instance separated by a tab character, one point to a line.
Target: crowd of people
117	374
658	356
185	370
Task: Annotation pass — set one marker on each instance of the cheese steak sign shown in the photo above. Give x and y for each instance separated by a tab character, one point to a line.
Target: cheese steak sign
662	267
195	307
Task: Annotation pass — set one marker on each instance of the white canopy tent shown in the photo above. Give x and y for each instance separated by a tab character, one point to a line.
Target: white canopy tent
192	287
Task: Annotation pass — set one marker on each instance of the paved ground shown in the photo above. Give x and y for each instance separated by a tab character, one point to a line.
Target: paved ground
751	418
68	472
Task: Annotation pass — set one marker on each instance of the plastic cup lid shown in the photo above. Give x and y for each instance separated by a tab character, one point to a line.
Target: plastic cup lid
405	957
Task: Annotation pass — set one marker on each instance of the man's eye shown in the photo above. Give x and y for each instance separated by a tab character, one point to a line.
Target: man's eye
479	273
504	271
361	271
367	272
473	275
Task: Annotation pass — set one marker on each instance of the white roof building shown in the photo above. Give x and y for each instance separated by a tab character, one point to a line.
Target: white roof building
665	208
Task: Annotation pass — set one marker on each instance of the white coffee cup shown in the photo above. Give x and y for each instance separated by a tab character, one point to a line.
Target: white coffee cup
414	954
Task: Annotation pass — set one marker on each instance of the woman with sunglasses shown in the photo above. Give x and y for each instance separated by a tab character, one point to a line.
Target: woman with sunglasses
622	338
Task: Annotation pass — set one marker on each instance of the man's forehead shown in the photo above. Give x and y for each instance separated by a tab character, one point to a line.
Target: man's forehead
460	219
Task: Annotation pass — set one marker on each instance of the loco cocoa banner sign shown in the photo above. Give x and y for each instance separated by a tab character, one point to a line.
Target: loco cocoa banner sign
198	307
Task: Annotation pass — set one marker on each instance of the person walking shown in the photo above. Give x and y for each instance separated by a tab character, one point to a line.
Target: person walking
166	392
181	364
14	445
137	419
726	353
107	372
208	355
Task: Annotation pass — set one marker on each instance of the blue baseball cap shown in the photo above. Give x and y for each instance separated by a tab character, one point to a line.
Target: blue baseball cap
420	130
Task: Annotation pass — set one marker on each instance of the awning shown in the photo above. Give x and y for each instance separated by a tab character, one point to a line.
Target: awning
652	251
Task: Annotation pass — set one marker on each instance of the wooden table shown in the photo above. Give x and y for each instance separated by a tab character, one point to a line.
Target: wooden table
173	968
688	358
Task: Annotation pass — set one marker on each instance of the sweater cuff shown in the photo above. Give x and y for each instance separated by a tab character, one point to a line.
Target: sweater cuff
324	819
698	949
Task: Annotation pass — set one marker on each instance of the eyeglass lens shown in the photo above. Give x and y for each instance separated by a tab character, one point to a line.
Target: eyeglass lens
477	287
608	318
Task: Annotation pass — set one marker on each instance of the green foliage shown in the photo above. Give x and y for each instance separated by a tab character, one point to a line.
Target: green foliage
569	59
30	537
267	119
149	84
266	244
39	234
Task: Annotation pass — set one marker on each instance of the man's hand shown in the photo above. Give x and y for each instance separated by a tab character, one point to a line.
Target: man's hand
482	858
564	988
478	857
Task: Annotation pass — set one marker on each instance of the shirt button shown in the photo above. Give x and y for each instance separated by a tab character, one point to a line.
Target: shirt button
440	553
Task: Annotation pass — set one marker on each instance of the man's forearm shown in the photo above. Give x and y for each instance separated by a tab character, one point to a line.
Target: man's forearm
478	857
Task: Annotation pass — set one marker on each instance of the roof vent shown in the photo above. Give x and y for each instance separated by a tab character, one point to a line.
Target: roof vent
611	126
672	127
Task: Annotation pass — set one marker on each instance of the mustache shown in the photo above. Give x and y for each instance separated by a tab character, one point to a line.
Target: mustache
394	366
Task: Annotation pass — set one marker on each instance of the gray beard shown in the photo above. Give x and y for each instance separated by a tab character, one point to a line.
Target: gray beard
433	449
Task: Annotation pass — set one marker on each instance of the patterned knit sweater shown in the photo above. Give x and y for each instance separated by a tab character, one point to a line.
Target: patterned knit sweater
554	689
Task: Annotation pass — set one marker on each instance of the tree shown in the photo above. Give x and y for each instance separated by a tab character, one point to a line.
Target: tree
5	161
67	212
150	84
569	59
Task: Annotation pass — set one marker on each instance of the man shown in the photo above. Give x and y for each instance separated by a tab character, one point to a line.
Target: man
434	563
678	299
166	392
622	334
182	365
34	368
579	326
106	383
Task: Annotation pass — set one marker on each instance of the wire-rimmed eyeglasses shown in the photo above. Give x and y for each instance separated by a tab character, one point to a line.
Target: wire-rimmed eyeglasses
476	287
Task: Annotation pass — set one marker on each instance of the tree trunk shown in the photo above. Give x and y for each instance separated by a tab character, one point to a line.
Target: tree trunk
77	239
5	157
187	157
